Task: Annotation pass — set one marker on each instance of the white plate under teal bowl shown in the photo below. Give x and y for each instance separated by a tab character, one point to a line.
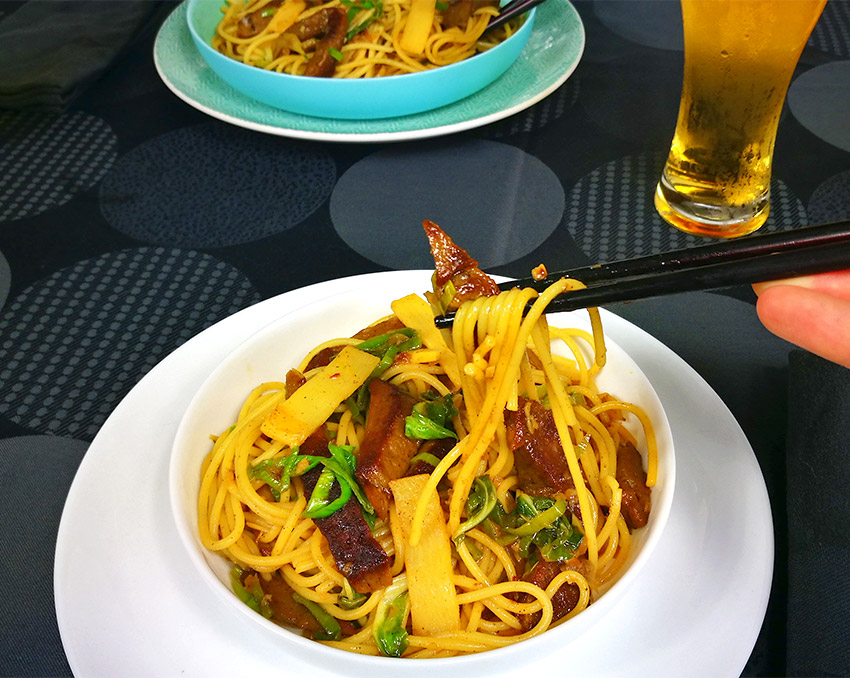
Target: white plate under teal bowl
550	56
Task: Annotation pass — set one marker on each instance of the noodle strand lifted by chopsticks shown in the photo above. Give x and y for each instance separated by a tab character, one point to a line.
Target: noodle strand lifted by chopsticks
507	369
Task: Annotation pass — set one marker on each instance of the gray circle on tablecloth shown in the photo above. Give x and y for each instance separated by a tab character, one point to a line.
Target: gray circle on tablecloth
830	201
46	159
214	185
652	24
73	344
538	116
35	474
611	214
5	280
820	101
831	33
493	199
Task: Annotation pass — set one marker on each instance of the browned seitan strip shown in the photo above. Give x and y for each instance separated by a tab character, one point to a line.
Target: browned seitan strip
255	23
563	601
637	500
324	356
357	554
538	456
288	612
385	452
454	264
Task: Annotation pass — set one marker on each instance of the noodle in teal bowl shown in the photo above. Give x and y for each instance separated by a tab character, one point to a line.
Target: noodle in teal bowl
352	98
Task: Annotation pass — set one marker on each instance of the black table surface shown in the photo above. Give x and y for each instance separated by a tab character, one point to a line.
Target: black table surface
130	222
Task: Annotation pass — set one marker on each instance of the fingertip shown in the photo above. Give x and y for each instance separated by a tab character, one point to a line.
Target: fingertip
815	321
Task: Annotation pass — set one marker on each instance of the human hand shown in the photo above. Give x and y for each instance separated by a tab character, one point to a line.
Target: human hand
811	311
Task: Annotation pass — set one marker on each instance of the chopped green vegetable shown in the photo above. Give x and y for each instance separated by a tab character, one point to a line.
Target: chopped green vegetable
348	598
427	457
377	344
442	6
556	538
417	425
388	629
335	53
340	466
541	520
267	12
345	471
355	8
252	595
559	542
330	626
449	291
480	502
577	398
387	346
286	466
430	419
440	408
320	505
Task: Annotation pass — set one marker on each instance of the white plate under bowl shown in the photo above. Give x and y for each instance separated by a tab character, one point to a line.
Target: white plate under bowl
129	602
268	355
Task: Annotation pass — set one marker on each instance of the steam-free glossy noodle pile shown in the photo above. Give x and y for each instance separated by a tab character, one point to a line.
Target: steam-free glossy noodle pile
357	38
419	492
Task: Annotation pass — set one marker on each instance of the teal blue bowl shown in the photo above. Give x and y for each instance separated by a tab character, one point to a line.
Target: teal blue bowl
354	99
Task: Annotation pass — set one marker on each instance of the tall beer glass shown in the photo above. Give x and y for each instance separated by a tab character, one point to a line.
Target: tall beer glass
739	59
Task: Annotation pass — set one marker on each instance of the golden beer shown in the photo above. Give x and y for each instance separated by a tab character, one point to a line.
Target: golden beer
739	59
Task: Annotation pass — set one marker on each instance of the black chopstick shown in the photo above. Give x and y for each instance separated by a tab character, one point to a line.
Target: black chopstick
722	251
804	251
512	10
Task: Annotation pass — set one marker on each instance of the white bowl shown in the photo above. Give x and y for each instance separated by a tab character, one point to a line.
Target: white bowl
269	353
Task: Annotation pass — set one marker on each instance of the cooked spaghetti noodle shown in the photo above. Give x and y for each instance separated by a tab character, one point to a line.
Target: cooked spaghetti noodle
356	38
496	363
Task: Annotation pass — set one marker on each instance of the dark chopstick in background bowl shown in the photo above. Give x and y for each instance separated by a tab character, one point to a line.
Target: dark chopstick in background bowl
511	10
754	259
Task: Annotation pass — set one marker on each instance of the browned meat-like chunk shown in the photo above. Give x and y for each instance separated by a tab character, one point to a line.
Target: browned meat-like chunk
379	328
357	554
455	265
324	356
255	23
294	381
564	600
438	448
286	611
632	479
331	24
385	452
459	12
538	456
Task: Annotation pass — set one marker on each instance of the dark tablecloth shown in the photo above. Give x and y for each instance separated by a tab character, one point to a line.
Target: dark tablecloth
129	222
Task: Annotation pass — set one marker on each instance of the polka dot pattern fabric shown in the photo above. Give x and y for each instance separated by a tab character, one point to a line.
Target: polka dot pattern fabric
832	32
48	159
74	343
130	221
248	187
611	213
